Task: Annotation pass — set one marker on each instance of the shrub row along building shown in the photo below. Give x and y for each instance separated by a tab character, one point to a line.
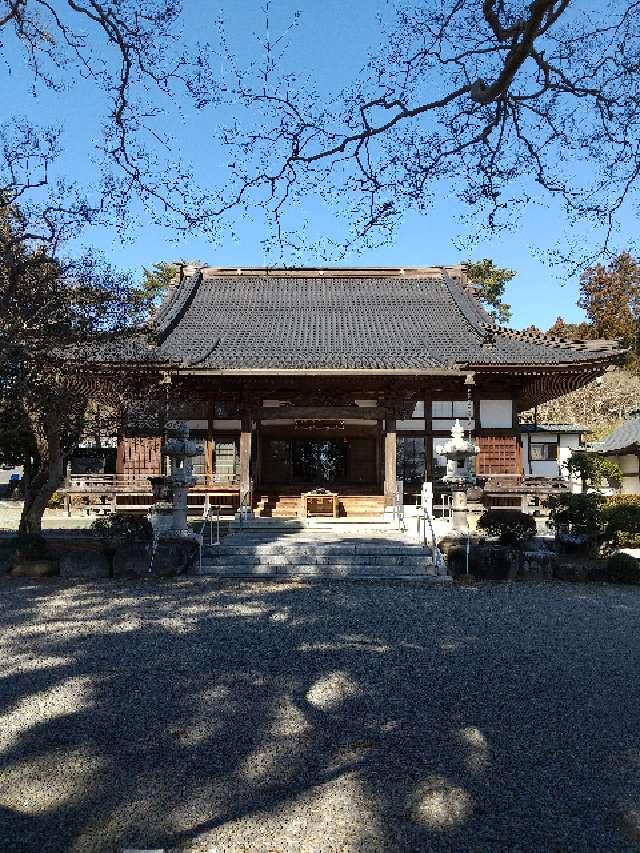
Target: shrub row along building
346	379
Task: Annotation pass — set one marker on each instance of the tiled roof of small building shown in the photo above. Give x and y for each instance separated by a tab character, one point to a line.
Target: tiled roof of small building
627	435
376	320
567	428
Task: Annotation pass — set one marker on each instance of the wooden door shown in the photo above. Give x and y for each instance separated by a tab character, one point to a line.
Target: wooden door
276	461
362	460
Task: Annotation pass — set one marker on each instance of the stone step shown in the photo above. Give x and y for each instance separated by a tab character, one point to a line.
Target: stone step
288	523
266	549
315	570
334	550
320	560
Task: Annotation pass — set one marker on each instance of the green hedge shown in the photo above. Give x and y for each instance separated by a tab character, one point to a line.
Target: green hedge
511	526
622	568
622	521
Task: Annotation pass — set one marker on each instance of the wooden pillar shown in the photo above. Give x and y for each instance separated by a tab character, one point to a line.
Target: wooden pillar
257	457
209	463
390	461
245	452
379	455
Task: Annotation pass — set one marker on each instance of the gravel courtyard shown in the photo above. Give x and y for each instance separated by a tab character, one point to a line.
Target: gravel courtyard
284	717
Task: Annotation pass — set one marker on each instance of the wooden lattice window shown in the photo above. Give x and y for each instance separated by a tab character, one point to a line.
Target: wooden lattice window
225	459
139	455
499	454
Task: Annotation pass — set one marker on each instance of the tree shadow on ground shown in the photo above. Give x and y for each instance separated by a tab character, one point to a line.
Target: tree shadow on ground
325	716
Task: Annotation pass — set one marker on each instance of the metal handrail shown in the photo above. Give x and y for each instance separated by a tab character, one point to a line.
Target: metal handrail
398	504
207	516
422	519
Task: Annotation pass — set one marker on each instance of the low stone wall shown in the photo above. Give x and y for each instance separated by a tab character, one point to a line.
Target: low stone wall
87	557
489	560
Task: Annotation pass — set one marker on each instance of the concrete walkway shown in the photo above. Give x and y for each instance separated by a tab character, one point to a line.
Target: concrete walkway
53	519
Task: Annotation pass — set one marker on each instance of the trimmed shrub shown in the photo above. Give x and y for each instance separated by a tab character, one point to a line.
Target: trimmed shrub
581	516
123	527
511	526
581	513
593	468
622	520
622	568
486	562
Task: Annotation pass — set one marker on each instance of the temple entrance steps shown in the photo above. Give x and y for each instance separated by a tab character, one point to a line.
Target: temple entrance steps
317	550
279	505
276	506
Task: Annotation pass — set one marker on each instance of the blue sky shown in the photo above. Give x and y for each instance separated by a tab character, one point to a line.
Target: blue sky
330	44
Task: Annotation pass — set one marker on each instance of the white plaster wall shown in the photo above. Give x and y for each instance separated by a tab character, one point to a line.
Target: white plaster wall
568	443
411	423
496	414
629	465
449	408
444	425
539	468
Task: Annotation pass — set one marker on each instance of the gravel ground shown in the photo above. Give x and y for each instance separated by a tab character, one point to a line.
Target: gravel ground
282	717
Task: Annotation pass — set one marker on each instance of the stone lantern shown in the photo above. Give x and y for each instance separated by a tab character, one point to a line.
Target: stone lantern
168	513
459	452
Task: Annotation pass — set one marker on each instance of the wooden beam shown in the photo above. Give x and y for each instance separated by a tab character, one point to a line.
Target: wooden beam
320	412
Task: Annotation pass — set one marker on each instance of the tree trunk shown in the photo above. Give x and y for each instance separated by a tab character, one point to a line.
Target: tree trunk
40	484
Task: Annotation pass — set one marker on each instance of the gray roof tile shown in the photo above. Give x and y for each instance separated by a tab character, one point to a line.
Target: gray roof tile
333	321
625	436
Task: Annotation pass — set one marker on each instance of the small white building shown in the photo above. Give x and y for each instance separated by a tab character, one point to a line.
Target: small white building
547	447
623	446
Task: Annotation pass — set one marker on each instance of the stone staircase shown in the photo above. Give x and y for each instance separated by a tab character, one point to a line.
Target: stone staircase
269	505
267	548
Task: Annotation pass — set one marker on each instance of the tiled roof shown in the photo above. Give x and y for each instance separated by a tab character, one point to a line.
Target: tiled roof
568	428
339	320
625	436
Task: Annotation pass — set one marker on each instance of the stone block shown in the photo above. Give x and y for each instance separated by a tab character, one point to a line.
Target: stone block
174	557
132	560
35	568
85	561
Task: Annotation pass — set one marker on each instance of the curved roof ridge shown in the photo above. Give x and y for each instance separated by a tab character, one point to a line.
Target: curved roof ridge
476	314
170	293
598	345
469	305
176	307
